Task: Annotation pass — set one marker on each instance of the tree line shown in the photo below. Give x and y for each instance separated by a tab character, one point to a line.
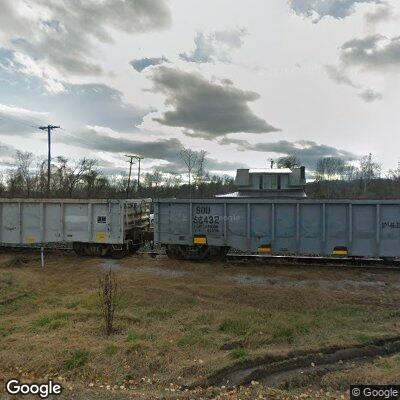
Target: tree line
335	177
27	177
332	177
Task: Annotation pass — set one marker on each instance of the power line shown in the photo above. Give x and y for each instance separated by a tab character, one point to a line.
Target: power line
48	128
18	121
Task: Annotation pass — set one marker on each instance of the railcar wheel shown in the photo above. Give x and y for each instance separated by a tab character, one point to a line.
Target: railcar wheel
118	251
173	252
79	249
91	249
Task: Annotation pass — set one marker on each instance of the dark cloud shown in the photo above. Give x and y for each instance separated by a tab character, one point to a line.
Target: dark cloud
18	121
370	95
77	105
317	9
214	47
97	104
206	109
216	165
63	38
307	151
375	52
164	150
142	63
211	164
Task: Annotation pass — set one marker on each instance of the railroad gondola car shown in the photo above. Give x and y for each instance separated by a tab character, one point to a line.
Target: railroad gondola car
201	229
270	214
92	227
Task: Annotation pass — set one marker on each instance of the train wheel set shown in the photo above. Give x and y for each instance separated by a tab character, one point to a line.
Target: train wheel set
105	250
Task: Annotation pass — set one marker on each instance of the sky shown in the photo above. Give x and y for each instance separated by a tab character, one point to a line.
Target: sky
245	81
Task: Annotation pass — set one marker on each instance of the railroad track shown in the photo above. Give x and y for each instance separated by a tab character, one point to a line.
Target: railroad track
239	258
343	262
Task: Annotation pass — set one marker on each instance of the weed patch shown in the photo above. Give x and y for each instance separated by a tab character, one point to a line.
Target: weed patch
6	330
160	313
51	321
236	327
111	350
15	303
239	354
76	359
194	338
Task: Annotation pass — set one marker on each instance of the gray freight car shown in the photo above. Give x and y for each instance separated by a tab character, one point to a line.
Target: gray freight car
301	227
93	227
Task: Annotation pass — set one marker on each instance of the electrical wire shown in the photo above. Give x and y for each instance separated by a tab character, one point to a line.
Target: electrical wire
18	121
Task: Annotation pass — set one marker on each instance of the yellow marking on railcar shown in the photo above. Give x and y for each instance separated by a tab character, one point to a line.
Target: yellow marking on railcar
265	249
101	236
30	239
200	240
340	252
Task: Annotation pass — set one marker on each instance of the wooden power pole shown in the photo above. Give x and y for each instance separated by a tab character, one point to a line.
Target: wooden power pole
48	128
138	158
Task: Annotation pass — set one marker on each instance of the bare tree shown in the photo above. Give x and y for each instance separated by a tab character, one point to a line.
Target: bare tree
173	180
289	161
369	170
24	162
329	168
201	166
90	178
189	157
200	177
108	296
157	177
394	174
76	174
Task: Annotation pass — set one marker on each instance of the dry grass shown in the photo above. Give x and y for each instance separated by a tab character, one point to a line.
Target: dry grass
179	321
382	371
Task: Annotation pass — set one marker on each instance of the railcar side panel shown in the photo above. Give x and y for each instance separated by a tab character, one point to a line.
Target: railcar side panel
311	238
363	240
359	228
34	221
285	223
389	231
261	225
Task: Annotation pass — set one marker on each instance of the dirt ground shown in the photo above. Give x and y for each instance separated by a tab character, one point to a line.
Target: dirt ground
197	330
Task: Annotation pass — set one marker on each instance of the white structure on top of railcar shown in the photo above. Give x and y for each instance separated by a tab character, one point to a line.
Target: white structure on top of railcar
269	182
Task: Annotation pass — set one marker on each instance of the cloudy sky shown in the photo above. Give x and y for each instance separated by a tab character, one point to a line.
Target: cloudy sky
246	81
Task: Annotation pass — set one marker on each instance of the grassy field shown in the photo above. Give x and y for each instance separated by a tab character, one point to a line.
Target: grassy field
179	322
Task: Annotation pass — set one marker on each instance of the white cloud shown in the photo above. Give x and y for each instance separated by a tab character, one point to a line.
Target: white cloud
63	34
318	9
216	46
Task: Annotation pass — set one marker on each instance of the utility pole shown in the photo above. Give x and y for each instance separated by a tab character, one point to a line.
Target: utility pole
129	176
138	158
48	128
138	174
